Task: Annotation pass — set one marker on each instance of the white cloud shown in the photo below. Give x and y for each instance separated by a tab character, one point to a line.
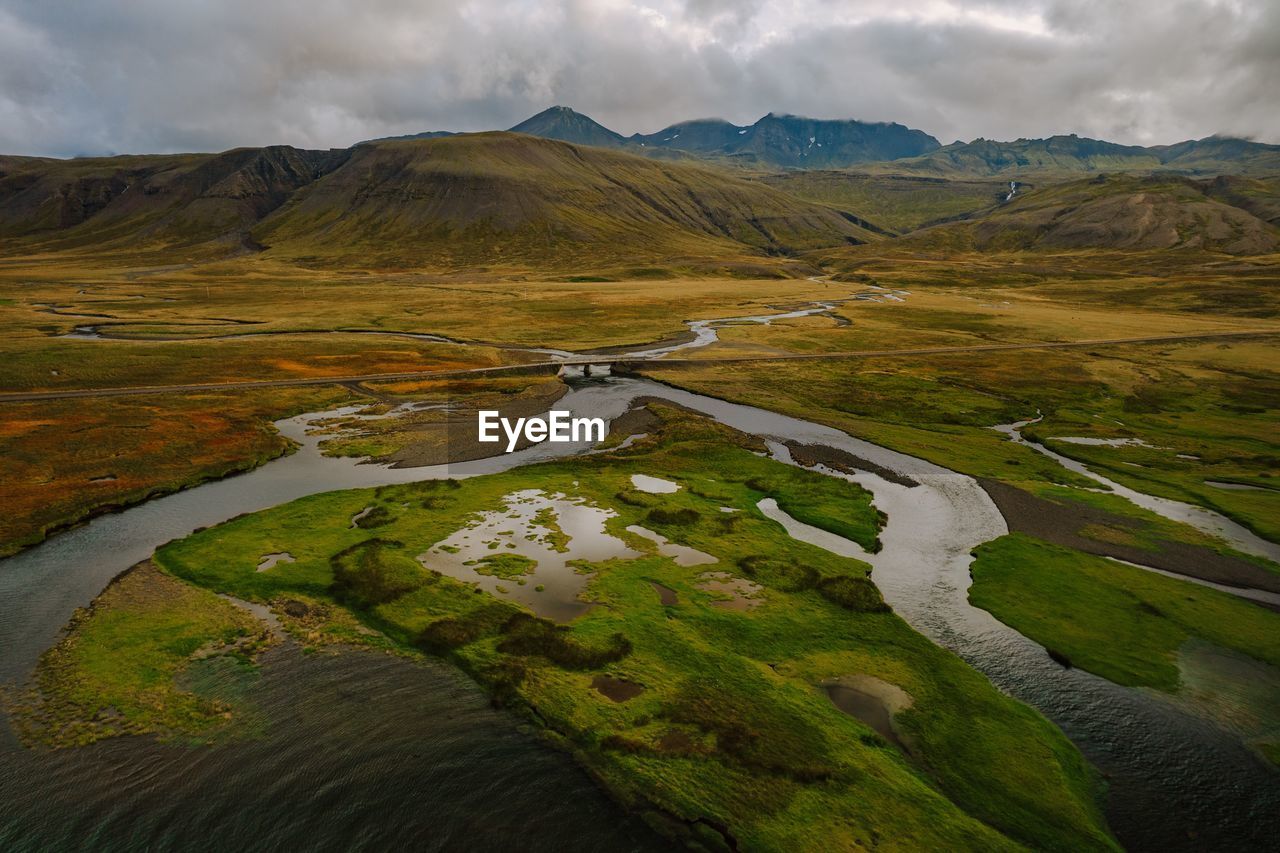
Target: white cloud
154	75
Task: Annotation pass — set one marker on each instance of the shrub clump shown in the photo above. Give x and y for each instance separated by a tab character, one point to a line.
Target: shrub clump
452	632
504	679
763	741
787	576
528	635
858	594
436	485
379	516
374	572
683	517
634	497
622	743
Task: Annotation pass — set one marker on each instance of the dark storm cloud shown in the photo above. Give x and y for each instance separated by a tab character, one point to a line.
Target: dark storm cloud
160	75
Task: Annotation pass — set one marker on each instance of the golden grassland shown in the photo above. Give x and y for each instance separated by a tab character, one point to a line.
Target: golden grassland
1206	408
272	298
67	460
254	318
953	300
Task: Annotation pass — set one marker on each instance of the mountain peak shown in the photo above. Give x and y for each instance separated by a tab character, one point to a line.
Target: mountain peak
568	125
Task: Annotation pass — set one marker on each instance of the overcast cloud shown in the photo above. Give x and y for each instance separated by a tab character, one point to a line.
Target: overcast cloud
170	75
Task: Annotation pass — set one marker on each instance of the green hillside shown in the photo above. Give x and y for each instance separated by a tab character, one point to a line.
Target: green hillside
141	203
1066	156
499	198
900	203
1115	212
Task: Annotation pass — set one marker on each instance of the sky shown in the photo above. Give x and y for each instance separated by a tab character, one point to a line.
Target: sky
135	76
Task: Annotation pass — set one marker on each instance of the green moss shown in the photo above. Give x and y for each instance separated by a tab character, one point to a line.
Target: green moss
374	572
832	504
120	669
508	566
555	537
1120	622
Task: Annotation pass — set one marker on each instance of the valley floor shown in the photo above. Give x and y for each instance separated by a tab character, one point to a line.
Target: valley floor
711	697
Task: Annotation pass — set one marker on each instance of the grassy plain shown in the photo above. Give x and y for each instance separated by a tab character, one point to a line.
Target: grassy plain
1213	651
942	407
1123	623
118	670
257	296
731	726
938	406
1207	408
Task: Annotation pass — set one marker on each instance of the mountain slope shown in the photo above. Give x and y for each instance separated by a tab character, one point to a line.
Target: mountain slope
1259	196
1055	155
501	198
426	134
811	143
1220	154
1063	156
793	141
150	202
566	125
1159	212
703	135
897	202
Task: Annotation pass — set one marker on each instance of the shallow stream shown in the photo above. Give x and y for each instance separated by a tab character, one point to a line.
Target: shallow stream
1206	520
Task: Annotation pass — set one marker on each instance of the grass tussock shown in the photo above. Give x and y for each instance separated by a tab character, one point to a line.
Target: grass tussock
527	635
374	572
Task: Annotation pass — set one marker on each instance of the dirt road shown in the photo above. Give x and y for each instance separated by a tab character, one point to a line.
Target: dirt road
617	362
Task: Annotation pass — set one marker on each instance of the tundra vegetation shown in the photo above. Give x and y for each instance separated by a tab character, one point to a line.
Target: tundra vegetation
731	729
1138	628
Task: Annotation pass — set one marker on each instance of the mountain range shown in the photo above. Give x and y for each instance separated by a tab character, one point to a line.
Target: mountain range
794	142
1065	155
602	202
775	140
472	200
